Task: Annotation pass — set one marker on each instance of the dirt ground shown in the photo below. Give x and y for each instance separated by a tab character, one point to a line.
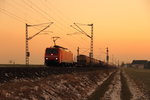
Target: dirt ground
75	86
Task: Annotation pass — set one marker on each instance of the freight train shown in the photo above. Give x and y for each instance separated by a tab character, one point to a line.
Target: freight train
58	55
86	61
83	60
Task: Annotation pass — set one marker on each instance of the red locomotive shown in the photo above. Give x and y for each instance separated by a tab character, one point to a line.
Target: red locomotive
58	55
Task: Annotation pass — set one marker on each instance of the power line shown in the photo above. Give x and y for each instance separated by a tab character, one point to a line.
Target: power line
12	15
35	10
64	19
44	12
24	20
61	14
40	12
15	4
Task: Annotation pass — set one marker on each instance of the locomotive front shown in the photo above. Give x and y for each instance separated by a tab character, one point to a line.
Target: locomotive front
58	56
51	56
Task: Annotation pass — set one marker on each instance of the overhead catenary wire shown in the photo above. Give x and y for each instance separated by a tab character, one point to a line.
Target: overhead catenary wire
23	12
67	18
16	17
40	30
27	53
24	19
12	15
32	18
43	11
34	10
91	37
64	21
29	22
60	32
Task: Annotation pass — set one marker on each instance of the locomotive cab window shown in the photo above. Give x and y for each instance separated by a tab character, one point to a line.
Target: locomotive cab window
51	51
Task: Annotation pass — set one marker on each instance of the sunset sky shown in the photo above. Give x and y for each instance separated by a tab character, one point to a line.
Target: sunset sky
121	25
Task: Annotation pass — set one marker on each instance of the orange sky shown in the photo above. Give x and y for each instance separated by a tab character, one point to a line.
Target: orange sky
121	25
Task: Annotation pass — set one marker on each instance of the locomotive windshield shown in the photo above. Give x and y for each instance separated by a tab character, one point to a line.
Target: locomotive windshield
51	51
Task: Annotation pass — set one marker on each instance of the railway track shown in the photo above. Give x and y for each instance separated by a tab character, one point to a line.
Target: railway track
12	72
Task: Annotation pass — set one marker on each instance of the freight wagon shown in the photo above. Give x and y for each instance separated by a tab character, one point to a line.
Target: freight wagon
83	60
58	55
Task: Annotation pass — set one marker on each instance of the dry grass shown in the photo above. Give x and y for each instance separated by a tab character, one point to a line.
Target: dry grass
141	77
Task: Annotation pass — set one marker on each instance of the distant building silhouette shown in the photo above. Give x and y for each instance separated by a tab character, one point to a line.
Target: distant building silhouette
141	64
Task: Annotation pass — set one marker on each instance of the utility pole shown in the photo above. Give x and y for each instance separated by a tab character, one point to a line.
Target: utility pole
27	53
107	55
27	47
91	50
91	37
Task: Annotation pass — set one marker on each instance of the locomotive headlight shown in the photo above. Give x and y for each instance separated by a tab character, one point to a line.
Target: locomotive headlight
56	58
46	58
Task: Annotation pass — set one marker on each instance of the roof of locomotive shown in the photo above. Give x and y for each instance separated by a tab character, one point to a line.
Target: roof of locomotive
57	46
